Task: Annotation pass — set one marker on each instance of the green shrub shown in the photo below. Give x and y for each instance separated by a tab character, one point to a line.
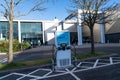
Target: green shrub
25	45
16	46
4	46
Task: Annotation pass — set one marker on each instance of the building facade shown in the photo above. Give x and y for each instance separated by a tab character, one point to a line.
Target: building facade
42	31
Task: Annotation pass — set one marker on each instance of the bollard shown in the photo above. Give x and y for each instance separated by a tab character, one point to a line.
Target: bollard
52	65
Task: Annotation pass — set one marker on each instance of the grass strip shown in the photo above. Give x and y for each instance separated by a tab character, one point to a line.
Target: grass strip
88	55
15	65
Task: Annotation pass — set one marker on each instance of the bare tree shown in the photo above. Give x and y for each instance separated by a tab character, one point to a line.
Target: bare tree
94	11
9	8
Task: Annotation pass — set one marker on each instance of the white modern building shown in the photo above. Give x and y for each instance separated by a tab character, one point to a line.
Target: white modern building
34	31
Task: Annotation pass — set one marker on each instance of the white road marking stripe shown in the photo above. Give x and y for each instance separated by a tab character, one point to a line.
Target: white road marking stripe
46	69
73	75
52	75
111	61
28	74
3	60
89	62
6	76
25	75
96	67
48	73
95	64
65	72
77	66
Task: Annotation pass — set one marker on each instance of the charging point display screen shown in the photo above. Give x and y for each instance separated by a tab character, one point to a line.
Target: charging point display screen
62	38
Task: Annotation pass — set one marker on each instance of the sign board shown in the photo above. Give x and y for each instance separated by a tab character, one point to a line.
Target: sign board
62	37
63	55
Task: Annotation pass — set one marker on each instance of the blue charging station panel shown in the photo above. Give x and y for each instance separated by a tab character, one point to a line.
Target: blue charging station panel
62	42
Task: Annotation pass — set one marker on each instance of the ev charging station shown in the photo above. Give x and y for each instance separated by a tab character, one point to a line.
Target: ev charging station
62	43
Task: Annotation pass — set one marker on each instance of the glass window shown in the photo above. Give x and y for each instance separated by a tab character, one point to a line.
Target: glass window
4	30
32	32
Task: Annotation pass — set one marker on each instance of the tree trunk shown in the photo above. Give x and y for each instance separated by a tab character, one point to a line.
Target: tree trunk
92	41
11	15
10	53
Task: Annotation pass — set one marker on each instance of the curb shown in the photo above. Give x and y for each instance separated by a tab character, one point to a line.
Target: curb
13	53
3	53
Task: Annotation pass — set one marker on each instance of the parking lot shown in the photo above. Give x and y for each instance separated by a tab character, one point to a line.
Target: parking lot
71	73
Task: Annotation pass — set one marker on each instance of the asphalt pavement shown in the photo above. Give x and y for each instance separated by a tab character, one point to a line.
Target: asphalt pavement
44	52
103	68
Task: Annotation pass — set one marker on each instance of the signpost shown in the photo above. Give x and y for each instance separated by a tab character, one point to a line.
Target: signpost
62	43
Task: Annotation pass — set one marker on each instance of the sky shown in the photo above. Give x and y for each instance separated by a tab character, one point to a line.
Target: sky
54	9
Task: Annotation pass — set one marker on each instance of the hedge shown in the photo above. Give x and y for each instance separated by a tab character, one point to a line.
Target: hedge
16	46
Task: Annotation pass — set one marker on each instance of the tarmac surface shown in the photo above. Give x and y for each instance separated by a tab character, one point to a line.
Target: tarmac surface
103	68
44	52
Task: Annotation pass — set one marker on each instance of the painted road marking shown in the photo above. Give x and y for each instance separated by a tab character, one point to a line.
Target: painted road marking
77	66
111	61
67	71
3	60
71	72
28	74
6	76
95	64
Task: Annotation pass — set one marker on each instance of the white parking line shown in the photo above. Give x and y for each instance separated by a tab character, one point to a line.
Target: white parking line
89	62
3	60
25	75
95	64
77	66
111	61
71	72
28	74
73	75
96	67
47	73
6	76
46	69
52	75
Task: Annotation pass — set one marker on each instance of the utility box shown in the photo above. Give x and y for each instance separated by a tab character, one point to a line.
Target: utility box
62	43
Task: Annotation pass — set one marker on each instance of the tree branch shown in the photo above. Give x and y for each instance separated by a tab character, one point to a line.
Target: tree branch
18	2
37	7
7	3
6	11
